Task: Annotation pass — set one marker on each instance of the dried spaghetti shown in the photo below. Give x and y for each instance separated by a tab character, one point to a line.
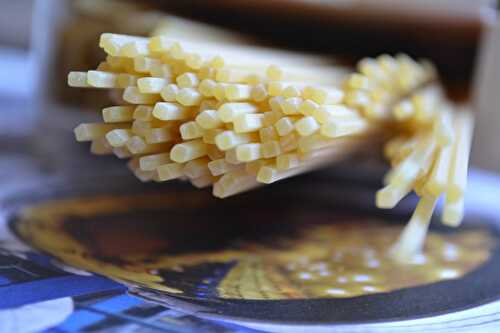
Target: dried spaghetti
238	117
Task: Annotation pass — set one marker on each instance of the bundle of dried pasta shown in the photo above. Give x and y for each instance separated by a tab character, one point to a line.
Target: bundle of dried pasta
236	117
429	145
431	158
218	115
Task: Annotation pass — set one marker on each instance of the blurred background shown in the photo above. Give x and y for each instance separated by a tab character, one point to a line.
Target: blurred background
41	41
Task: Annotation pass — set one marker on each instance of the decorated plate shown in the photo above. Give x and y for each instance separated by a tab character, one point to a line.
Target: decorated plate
308	250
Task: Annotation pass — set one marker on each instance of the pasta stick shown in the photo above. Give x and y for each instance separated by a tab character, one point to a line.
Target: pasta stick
126	80
389	196
121	152
393	146
248	123
165	71
233	182
203	181
187	151
253	167
231	157
458	172
136	145
271	149
151	162
198	61
143	176
151	85
310	108
405	149
207	87
409	169
213	152
443	127
287	161
335	129
143	113
170	171
105	67
78	80
272	117
197	168
113	44
209	135
426	102
189	97
307	126
134	49
209	104
207	72
141	128
229	139
270	174
289	142
239	75
438	179
93	131
291	105
233	92
169	92
412	238
360	82
371	69
276	104
278	88
118	114
171	111
453	212
314	142
228	112
188	80
268	134
330	113
133	96
99	79
404	110
144	64
248	152
209	119
191	130
120	64
285	125
292	91
219	167
326	95
101	147
162	134
324	74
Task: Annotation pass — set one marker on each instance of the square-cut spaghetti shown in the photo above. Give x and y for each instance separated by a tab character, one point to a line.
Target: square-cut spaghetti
235	117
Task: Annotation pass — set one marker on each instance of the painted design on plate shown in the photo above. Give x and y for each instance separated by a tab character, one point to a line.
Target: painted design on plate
183	244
